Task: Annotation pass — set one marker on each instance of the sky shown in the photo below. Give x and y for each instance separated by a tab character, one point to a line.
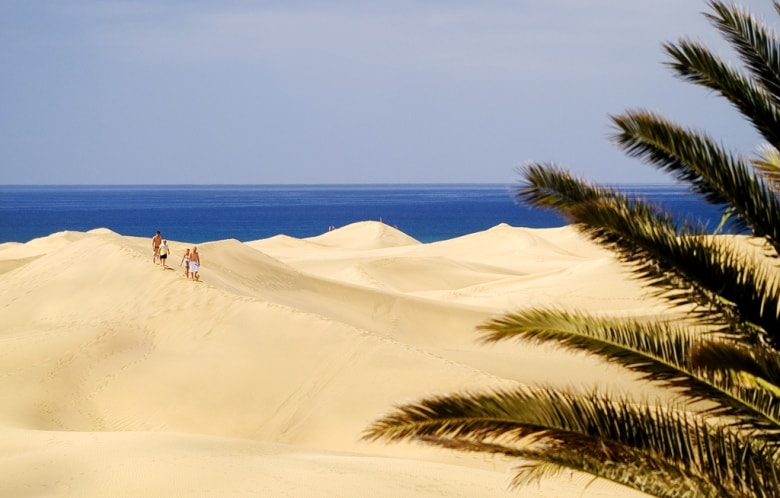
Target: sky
316	92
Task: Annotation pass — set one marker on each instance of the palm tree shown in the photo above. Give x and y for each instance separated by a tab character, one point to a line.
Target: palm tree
720	350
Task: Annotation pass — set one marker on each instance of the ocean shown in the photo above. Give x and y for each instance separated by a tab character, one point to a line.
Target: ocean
202	213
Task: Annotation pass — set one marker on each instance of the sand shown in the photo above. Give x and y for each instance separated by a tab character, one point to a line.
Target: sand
121	378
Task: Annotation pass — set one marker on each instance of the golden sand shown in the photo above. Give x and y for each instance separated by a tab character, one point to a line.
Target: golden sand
120	378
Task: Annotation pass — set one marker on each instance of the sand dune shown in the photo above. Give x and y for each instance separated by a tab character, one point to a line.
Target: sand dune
121	378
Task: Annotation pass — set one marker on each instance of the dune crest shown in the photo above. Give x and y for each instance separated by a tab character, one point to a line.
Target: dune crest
260	378
364	235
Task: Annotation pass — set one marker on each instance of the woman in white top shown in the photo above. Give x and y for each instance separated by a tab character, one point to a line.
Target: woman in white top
186	260
164	253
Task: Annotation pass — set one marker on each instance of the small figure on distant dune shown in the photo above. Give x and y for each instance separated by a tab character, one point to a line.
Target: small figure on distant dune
164	251
156	241
195	264
186	261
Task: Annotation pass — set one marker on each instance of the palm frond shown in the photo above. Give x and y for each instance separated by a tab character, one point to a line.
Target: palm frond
660	352
768	165
713	172
721	280
717	273
544	456
548	187
612	438
633	470
693	62
761	363
719	348
754	42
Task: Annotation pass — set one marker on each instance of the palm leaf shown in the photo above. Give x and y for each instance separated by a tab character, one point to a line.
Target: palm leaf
762	364
718	273
720	354
756	45
713	172
611	438
768	165
694	63
686	267
659	351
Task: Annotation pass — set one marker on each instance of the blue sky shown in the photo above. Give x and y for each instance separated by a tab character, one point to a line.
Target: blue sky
232	91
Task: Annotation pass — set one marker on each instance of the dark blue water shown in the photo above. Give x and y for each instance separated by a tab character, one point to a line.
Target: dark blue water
199	213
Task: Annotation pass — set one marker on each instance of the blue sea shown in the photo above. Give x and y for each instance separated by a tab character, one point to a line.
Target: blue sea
201	213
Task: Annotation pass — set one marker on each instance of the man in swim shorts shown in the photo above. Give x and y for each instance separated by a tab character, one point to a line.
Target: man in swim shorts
195	264
156	241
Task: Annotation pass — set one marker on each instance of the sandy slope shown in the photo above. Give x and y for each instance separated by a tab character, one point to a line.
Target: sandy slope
120	378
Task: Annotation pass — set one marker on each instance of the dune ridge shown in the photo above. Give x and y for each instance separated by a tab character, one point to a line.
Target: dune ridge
121	378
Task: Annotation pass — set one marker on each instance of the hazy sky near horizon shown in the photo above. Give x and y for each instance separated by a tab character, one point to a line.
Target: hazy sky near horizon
239	91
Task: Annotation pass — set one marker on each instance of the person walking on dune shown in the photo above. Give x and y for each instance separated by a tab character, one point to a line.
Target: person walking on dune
164	251
185	260
195	264
156	241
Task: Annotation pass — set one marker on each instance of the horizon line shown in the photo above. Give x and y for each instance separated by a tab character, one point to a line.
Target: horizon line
335	184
